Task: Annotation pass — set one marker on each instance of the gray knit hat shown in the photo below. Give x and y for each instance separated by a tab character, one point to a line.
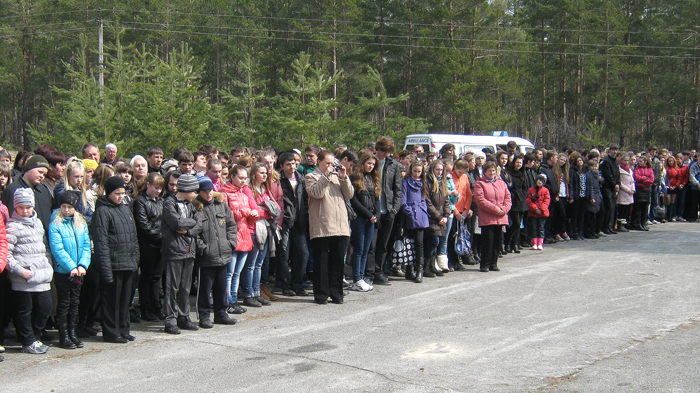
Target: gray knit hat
36	161
187	183
23	197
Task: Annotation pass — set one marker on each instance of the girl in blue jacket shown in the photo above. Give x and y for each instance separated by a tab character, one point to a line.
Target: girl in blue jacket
70	246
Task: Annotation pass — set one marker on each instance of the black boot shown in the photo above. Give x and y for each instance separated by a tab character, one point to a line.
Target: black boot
72	322
428	267
419	270
63	340
409	272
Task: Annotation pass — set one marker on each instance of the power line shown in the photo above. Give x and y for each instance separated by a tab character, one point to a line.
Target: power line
42	32
497	51
44	14
406	37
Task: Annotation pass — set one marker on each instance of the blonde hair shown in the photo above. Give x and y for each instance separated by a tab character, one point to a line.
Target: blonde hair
79	223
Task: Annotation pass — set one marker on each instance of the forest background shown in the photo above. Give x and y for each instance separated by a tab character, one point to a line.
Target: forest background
579	73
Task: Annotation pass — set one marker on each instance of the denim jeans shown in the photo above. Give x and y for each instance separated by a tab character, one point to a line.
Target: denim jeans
361	239
442	244
536	225
250	279
233	274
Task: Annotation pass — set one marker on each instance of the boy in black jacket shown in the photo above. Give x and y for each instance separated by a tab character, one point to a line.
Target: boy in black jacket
181	226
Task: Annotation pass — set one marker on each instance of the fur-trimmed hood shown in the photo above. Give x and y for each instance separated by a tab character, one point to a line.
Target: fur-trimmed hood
199	204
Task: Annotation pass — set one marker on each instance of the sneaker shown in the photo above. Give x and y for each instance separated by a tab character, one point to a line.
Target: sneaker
251	302
263	301
172	329
368	281
558	238
35	348
224	321
235	309
2	349
365	285
681	219
357	286
186	324
346	284
206	324
539	247
301	292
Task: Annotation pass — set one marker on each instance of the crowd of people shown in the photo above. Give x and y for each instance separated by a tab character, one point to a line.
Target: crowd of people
80	237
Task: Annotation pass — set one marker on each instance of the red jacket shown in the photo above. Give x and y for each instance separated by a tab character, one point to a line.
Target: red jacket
541	203
3	242
255	205
675	177
644	177
490	198
238	203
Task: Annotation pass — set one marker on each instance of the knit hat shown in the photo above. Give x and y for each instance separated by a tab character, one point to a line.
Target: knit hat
70	198
542	177
113	183
169	165
35	161
187	183
205	184
90	164
23	197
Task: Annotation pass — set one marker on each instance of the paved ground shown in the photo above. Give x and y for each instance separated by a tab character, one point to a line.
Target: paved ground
618	314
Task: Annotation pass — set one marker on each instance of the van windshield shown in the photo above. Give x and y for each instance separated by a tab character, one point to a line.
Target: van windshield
474	148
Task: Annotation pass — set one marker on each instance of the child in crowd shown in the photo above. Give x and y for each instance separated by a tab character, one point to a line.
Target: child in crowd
70	246
30	272
538	210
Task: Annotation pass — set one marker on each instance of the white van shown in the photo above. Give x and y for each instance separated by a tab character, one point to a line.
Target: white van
434	142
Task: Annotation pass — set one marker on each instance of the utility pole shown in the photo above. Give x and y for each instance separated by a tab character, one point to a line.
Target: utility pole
100	51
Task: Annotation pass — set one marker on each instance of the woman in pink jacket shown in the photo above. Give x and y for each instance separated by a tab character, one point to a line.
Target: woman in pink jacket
242	213
493	201
625	197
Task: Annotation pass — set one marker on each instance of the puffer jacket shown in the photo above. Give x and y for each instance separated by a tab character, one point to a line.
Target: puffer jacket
328	215
43	200
256	204
113	233
438	208
179	215
85	210
238	204
626	194
26	249
413	206
70	248
541	203
148	214
218	238
644	178
492	196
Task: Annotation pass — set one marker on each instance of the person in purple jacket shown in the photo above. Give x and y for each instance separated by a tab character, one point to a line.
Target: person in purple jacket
414	206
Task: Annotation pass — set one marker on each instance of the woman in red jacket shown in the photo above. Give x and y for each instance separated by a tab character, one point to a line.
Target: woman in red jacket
674	179
493	201
538	210
644	179
240	207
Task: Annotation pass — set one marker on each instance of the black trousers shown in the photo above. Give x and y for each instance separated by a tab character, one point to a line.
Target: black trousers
609	204
212	279
6	304
89	307
378	250
114	310
512	237
491	239
557	216
693	200
152	267
578	216
32	309
640	213
292	253
329	259
68	296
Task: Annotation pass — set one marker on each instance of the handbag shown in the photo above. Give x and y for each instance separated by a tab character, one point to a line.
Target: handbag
404	251
660	210
463	244
351	212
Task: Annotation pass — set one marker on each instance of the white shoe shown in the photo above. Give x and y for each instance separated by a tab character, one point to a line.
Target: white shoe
359	287
366	286
539	247
442	262
681	219
2	349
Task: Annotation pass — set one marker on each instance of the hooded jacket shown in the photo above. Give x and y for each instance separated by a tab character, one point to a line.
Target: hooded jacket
627	189
240	208
113	233
541	203
218	238
492	196
70	248
26	249
85	210
179	215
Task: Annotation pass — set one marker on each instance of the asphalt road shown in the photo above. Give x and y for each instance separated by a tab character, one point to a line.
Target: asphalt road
617	314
